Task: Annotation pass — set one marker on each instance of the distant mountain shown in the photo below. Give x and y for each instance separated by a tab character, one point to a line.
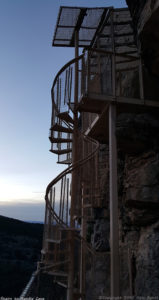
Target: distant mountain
20	245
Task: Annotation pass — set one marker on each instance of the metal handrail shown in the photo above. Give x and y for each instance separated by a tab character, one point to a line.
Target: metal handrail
65	67
81	162
28	287
90	52
68	170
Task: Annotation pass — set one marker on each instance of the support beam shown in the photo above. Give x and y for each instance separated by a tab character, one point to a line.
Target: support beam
82	253
74	178
114	226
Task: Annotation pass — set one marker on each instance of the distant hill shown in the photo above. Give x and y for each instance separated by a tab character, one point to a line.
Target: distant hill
20	245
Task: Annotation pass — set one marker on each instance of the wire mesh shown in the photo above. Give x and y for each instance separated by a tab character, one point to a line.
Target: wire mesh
69	17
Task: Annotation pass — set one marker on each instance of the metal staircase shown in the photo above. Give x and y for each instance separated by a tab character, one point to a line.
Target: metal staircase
59	233
65	229
87	93
82	92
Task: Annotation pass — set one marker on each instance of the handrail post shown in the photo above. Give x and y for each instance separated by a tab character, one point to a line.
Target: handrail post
114	226
82	76
113	58
141	80
113	182
82	253
74	177
88	71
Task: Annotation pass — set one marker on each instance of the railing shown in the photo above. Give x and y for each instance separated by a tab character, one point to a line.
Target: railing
31	286
101	73
56	238
98	71
109	74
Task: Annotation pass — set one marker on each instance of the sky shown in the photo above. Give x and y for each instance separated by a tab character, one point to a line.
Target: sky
28	65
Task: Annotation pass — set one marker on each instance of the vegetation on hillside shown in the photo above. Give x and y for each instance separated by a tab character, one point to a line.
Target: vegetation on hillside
20	245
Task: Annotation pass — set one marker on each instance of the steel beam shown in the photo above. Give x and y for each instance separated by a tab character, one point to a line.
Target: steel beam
70	289
114	226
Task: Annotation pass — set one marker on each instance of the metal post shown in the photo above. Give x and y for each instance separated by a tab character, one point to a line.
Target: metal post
88	72
74	179
113	181
45	232
141	80
114	226
82	267
50	216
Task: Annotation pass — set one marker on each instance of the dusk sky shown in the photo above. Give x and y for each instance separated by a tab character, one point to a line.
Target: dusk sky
28	65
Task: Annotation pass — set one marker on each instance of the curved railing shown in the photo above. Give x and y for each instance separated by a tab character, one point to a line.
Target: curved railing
69	170
101	74
62	93
90	64
56	238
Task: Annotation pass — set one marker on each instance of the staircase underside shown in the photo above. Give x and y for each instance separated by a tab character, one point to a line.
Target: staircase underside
99	128
57	127
61	151
59	140
65	117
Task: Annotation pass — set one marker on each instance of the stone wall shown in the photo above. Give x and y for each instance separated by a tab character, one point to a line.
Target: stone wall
138	190
145	14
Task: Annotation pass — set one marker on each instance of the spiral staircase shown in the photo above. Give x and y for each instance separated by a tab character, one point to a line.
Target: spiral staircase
63	226
81	94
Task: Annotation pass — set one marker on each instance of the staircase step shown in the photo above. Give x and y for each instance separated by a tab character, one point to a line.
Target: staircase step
87	206
53	241
61	274
70	229
60	128
65	162
60	263
51	252
59	140
65	117
63	151
62	284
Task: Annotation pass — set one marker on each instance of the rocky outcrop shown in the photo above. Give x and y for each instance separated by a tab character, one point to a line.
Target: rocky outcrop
100	238
138	132
147	262
138	136
138	177
146	26
138	190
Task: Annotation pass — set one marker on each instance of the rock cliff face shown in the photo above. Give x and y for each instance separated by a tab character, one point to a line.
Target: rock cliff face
140	198
145	14
138	190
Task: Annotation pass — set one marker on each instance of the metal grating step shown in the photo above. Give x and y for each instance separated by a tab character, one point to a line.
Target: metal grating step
65	117
60	274
57	127
53	241
59	140
65	162
61	151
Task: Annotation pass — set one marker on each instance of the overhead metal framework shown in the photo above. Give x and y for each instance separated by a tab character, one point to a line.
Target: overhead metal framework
84	20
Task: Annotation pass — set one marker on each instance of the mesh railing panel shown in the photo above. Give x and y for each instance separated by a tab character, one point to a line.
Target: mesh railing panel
65	158
69	17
